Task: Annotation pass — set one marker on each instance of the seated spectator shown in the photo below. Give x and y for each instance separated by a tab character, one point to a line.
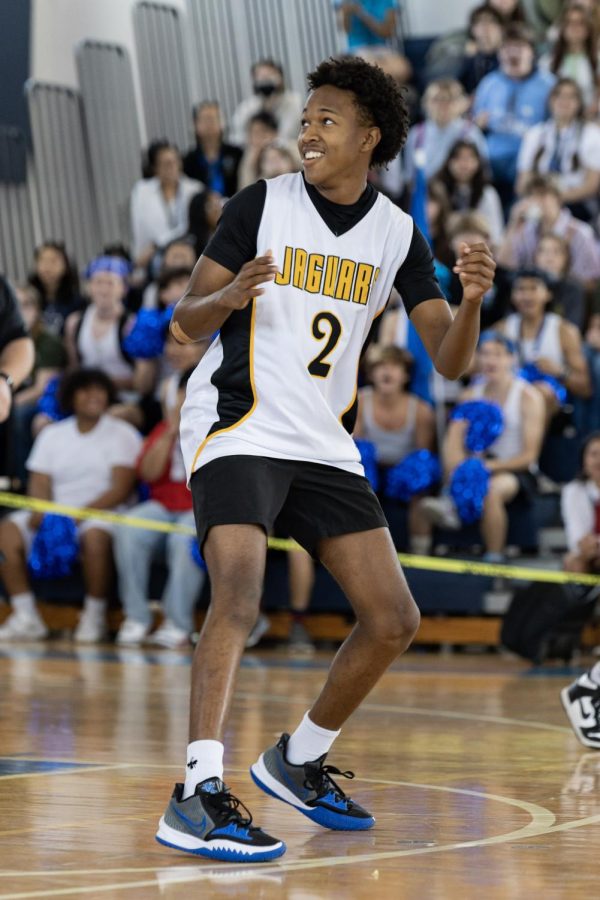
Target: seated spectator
580	506
87	460
545	339
212	161
179	253
160	466
397	331
511	460
159	205
575	53
276	159
541	212
262	131
486	28
270	96
393	419
429	143
50	359
468	187
508	102
55	277
566	148
568	297
203	218
94	337
471	228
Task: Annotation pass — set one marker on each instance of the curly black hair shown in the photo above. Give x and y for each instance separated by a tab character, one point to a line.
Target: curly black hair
84	378
379	99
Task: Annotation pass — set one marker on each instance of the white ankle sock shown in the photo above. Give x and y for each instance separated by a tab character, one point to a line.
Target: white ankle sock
24	604
595	673
95	606
204	760
420	544
308	742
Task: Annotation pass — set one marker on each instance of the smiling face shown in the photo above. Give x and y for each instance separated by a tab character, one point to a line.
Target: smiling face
335	143
464	164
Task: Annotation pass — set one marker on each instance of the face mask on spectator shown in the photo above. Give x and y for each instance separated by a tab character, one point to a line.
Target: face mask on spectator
265	88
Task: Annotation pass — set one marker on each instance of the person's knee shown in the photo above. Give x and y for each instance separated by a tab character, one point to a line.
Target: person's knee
95	541
395	621
11	539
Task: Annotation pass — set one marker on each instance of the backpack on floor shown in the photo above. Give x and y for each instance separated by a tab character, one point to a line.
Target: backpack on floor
545	621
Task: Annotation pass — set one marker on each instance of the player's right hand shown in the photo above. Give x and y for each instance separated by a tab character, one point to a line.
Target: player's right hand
245	285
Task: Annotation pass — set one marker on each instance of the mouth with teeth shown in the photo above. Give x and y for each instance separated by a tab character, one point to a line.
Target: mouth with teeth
311	156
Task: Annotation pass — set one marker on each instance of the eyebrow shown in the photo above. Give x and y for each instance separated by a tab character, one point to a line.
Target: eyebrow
323	109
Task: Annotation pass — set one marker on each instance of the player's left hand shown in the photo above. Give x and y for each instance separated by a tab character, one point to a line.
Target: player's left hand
475	267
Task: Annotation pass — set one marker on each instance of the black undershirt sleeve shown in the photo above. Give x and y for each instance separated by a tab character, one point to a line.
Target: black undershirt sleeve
234	241
415	280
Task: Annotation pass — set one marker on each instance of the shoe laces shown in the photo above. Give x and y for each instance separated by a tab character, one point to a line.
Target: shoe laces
318	779
229	807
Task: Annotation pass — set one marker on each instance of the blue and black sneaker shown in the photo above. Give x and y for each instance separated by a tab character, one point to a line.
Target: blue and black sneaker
209	823
310	788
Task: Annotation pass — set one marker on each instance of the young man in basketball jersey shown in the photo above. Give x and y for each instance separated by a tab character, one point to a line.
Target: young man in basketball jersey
299	268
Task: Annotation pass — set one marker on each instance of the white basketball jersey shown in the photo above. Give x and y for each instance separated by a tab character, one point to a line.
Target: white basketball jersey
280	380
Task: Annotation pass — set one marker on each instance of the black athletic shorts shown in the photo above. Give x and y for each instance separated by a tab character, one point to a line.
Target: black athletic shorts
308	501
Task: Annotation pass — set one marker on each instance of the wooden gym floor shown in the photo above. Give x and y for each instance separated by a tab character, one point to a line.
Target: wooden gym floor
479	787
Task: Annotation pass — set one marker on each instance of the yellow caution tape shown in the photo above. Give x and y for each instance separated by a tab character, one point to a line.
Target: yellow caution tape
430	563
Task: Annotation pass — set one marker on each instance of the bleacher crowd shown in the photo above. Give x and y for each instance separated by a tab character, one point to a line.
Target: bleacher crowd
504	147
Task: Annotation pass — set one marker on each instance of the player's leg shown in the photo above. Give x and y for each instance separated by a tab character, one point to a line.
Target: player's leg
235	556
203	817
366	567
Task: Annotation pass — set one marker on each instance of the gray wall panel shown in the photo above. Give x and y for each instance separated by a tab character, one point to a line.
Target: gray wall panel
162	58
16	219
66	204
113	132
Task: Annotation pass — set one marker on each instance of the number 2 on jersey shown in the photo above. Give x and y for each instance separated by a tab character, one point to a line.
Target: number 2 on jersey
331	331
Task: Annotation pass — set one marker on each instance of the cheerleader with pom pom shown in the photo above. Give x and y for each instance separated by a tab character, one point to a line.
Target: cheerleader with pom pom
490	449
395	423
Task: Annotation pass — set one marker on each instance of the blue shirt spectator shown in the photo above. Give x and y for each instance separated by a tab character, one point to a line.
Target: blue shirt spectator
509	101
370	23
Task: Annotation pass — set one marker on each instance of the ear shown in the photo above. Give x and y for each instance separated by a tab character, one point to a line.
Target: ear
371	139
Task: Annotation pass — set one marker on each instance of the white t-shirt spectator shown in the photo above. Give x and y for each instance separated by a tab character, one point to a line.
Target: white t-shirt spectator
80	465
559	150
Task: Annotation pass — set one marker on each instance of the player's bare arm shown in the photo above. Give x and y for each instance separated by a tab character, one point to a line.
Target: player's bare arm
214	293
451	341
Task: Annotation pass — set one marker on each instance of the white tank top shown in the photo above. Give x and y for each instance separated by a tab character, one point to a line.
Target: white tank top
101	353
546	344
281	379
392	445
510	442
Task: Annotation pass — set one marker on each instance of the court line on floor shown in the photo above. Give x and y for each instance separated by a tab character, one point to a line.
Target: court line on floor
92	768
253	871
419	711
540	818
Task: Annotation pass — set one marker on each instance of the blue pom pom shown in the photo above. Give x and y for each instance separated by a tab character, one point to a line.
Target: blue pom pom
416	473
146	340
48	402
531	373
486	423
368	457
468	488
196	555
54	548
